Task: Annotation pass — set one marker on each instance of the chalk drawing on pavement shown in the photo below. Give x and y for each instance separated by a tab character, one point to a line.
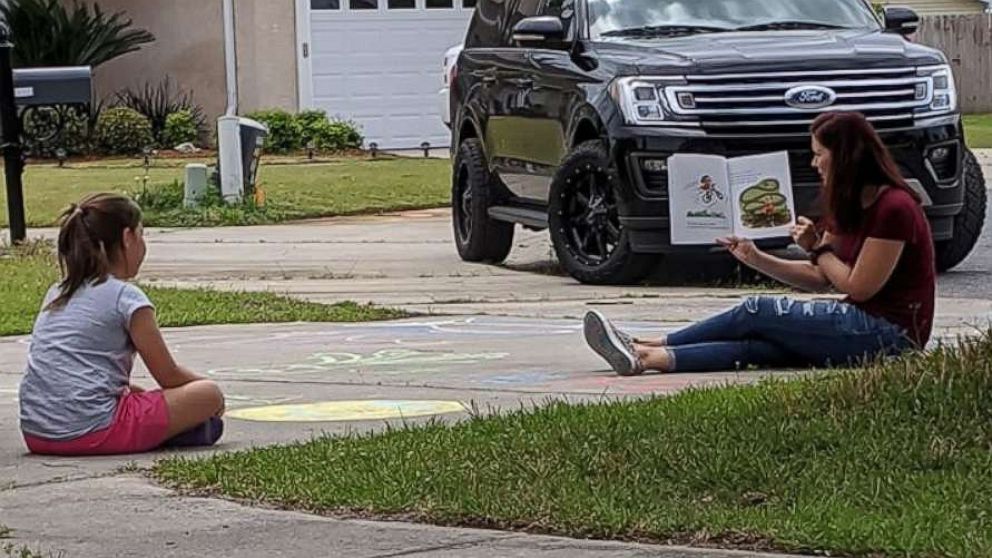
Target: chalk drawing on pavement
235	400
413	332
386	360
524	378
347	411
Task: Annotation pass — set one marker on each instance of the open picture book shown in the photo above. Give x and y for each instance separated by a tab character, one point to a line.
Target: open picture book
711	197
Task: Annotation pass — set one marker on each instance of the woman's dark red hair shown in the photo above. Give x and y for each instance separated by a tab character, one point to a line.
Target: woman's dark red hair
859	159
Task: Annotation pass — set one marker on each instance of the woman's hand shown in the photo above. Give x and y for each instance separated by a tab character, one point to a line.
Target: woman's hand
804	234
741	248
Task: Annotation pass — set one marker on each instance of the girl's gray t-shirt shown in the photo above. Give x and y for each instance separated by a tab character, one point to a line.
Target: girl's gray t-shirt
79	361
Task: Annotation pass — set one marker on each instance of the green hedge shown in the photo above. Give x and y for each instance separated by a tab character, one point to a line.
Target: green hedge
311	128
123	131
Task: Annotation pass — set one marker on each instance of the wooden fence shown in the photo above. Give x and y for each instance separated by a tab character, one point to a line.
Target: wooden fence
967	42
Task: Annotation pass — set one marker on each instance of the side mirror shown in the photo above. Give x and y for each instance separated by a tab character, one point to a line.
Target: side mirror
901	20
539	31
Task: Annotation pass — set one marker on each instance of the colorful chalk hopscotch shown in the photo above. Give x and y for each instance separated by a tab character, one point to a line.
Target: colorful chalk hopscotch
347	411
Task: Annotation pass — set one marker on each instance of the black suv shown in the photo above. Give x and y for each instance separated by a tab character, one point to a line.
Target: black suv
564	113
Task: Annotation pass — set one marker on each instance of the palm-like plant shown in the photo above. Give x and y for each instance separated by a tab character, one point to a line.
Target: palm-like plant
157	102
46	33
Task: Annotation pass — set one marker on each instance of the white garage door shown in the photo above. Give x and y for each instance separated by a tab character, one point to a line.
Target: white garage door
378	63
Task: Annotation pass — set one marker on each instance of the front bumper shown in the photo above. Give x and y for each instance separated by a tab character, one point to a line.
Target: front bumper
644	202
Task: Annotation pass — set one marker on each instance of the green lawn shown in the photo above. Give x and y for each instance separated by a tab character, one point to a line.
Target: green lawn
24	279
893	460
978	129
293	191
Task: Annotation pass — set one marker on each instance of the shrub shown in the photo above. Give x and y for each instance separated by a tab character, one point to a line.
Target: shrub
159	198
327	135
50	33
158	102
289	132
163	207
123	131
285	131
180	127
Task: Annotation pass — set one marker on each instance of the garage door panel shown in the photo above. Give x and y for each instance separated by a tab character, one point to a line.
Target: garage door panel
389	86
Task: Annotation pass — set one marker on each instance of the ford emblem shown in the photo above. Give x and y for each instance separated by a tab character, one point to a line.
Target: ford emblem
810	97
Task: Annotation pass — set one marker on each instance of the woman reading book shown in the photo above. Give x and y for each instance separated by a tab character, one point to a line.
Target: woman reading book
875	248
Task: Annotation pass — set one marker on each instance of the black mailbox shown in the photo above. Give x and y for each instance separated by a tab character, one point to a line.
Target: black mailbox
69	85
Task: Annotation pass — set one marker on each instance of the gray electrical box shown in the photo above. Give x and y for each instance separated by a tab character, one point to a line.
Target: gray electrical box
239	146
68	85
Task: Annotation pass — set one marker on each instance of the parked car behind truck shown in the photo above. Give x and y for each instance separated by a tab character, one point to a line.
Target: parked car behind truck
564	113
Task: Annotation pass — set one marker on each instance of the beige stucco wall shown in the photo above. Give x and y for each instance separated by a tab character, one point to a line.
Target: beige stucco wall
189	47
266	54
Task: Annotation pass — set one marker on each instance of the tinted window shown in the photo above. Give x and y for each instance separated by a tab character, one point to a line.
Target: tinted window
487	21
563	9
325	4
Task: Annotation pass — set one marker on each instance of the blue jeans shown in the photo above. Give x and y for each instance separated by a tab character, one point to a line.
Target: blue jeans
772	332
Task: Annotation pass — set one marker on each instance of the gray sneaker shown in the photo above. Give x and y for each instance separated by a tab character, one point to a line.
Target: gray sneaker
613	345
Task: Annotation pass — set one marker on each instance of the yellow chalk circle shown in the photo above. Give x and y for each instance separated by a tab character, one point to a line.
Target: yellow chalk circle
335	411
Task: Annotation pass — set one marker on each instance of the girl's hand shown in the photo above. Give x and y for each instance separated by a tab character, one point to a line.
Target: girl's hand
136	389
804	234
741	248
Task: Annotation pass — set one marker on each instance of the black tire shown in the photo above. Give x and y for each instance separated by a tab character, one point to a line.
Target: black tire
479	238
583	215
968	224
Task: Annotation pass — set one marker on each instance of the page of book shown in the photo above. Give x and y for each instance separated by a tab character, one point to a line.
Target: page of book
699	198
763	199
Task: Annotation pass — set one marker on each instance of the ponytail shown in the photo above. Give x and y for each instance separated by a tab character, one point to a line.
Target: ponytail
90	238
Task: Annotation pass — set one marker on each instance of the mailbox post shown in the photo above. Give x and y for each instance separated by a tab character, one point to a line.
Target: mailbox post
38	93
11	134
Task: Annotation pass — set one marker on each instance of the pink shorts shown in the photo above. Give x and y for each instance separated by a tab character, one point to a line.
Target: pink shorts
140	424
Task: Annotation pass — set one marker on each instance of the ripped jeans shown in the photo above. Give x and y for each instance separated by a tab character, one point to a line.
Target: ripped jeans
772	332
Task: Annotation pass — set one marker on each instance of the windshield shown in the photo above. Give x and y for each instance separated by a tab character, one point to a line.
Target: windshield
664	17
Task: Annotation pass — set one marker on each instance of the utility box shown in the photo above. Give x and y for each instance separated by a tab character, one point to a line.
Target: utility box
239	144
68	85
196	184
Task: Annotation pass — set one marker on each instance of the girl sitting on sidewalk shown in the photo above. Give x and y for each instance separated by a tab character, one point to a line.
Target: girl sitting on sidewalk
877	250
76	398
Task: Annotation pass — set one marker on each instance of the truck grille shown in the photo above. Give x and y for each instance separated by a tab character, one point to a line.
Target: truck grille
763	103
655	182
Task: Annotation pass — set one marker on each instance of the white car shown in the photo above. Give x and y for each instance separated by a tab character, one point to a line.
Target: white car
450	57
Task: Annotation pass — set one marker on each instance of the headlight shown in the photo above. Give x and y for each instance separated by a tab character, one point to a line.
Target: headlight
944	95
640	99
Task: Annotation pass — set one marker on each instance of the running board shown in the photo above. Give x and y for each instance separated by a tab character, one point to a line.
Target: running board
533	218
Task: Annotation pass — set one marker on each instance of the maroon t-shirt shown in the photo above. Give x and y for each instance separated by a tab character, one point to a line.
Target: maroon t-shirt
907	299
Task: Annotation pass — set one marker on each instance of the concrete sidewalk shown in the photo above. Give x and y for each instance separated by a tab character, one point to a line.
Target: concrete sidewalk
287	382
496	337
125	516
